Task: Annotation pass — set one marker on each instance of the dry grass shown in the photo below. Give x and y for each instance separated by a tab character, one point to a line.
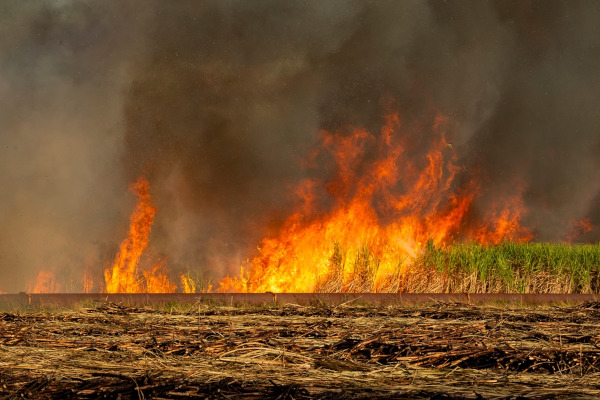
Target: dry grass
306	352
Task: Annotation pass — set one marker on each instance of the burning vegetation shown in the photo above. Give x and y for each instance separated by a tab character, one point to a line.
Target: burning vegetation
396	214
300	146
386	199
124	276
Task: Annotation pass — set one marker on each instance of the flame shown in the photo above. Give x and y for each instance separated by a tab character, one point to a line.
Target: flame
45	282
196	284
389	196
157	281
88	281
187	283
124	276
578	228
502	222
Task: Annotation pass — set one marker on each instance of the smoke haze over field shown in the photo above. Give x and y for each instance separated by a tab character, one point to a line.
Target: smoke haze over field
219	103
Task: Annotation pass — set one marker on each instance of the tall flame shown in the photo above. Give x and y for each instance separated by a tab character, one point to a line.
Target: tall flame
124	277
385	201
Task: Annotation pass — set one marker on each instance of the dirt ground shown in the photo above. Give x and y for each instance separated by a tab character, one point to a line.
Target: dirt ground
428	351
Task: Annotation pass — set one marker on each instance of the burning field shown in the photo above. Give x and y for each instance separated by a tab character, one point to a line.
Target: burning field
271	148
300	147
384	221
394	223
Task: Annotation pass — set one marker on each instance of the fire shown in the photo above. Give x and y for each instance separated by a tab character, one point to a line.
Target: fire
124	276
187	283
157	281
88	281
45	282
501	223
390	194
196	284
578	228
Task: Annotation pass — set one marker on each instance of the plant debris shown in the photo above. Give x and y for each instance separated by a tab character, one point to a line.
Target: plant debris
432	351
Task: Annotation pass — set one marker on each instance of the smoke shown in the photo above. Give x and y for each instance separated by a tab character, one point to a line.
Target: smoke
63	75
218	103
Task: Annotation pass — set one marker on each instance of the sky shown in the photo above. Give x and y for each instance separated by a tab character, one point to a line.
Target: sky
220	103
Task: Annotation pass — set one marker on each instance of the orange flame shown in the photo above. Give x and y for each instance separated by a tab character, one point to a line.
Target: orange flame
45	282
187	283
501	222
578	228
124	276
157	281
377	212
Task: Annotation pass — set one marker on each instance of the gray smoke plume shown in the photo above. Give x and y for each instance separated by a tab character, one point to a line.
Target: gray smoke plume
218	102
64	71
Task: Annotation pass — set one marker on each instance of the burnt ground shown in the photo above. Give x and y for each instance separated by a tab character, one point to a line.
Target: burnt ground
431	351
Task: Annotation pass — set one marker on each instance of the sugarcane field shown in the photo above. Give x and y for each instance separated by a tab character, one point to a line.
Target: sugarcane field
300	199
